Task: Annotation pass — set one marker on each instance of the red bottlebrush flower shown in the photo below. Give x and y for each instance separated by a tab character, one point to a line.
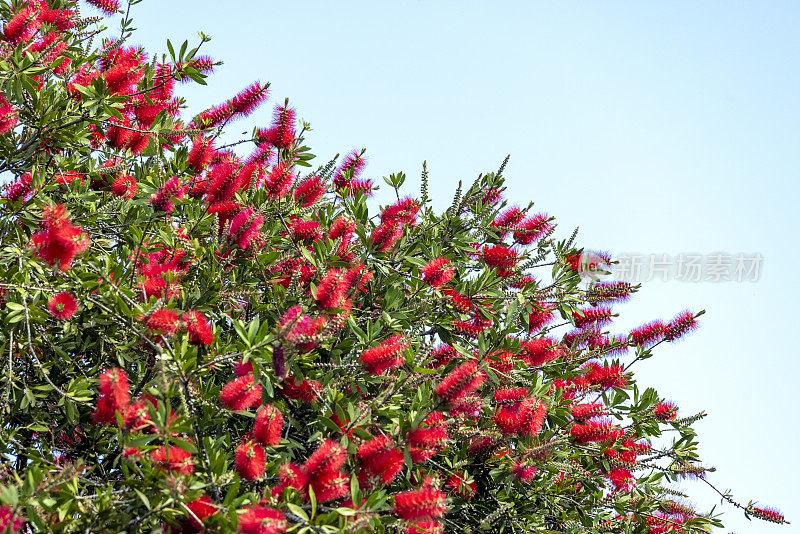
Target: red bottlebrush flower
387	355
682	324
109	7
250	460
62	306
125	186
202	508
330	485
23	25
460	383
309	191
471	328
540	317
163	321
173	459
621	478
243	368
245	227
595	431
19	189
442	354
538	352
261	155
582	412
9	521
533	229
247	100
611	376
460	302
224	180
279	180
428	439
499	257
609	292
268	426
508	219
306	391
200	332
162	199
438	272
114	396
524	473
8	115
648	334
380	460
328	458
425	527
201	153
61	18
124	68
332	288
403	211
385	236
767	514
342	227
281	133
592	317
423	503
457	485
291	476
665	411
306	231
241	394
350	169
58	241
491	196
262	520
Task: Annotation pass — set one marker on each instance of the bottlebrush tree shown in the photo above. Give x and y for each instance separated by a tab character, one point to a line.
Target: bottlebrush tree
206	334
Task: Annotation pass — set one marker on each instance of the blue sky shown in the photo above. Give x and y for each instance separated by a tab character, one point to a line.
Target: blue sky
656	127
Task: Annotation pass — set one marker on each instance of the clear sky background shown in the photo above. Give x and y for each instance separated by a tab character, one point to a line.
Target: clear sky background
656	127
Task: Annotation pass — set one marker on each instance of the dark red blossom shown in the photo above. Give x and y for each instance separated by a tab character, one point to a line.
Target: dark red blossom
592	317
438	272
279	180
173	459
387	355
460	383
328	457
23	25
423	503
532	229
309	191
767	514
8	115
379	460
648	334
665	411
539	351
499	257
682	324
124	186
62	306
113	398
268	426
595	431
201	153
306	391
109	7
262	520
58	241
250	460
241	394
163	321
281	133
198	328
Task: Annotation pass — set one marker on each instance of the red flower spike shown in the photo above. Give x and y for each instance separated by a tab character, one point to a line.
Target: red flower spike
648	334
609	292
114	396
665	411
19	189
201	153
403	211
305	391
291	476
163	321
327	458
622	479
508	219
533	229
499	257
281	133
595	431
611	376
385	236
460	383
524	473
538	352
330	485
23	25
58	241
438	272
331	290
387	355
460	302
8	115
767	514
247	100
457	485
350	169
262	520
250	460
125	186
424	503
582	412
425	527
109	7
279	180
173	459
592	317
241	394
268	426
379	460
198	329
309	191
681	325
202	508
540	317
62	306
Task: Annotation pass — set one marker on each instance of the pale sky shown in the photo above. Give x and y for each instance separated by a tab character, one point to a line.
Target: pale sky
657	127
